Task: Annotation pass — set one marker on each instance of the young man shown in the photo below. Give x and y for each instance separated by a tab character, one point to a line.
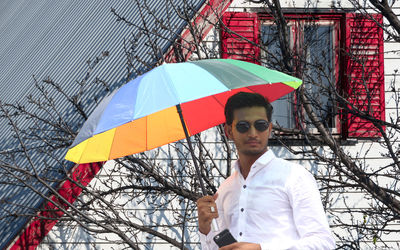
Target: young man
267	203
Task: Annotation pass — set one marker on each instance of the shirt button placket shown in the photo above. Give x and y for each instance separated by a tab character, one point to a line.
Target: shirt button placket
242	212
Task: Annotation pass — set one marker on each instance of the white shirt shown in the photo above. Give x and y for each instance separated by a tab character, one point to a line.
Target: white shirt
278	206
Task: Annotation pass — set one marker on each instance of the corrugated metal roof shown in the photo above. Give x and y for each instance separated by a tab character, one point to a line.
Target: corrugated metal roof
54	39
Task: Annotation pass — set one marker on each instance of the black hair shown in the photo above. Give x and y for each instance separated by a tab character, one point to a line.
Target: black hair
246	100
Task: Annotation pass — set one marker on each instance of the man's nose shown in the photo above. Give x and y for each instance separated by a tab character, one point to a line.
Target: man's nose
252	131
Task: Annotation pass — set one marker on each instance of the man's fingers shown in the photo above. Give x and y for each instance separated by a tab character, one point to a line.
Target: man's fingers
207	210
242	246
212	209
229	247
206	203
205	199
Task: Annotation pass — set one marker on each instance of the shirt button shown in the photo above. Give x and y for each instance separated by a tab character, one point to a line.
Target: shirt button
242	209
244	186
240	234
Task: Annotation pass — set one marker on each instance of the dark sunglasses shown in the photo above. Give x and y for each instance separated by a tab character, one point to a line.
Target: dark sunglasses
260	125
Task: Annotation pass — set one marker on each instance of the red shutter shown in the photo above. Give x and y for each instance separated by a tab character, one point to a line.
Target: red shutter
240	25
364	73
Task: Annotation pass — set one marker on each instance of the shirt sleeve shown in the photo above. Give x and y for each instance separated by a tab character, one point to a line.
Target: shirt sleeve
308	213
207	242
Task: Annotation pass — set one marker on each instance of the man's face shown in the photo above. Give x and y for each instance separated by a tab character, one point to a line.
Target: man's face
253	142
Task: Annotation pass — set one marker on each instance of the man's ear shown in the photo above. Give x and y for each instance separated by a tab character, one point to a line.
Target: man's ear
228	131
270	128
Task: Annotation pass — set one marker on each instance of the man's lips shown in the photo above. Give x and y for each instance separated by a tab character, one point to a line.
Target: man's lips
252	142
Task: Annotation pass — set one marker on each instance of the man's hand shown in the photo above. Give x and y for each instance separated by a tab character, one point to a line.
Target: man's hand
242	246
207	210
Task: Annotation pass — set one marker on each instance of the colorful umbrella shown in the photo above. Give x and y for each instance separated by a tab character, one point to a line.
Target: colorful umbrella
169	103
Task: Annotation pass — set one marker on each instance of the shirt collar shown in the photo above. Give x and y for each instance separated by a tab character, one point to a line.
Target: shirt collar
261	162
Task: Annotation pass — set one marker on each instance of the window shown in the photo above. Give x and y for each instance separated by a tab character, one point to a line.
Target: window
327	49
283	107
316	42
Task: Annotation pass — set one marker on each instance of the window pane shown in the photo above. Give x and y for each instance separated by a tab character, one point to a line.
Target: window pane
271	55
283	111
272	58
318	73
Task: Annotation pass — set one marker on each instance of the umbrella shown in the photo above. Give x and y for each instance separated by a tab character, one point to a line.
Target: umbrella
169	103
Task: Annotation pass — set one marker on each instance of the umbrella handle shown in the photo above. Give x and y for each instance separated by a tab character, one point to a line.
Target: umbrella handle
214	225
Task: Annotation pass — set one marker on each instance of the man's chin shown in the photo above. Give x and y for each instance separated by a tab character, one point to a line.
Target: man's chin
254	152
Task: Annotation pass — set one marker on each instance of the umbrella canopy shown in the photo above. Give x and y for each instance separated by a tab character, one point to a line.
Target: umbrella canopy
143	114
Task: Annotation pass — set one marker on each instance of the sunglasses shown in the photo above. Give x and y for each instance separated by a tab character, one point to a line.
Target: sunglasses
260	125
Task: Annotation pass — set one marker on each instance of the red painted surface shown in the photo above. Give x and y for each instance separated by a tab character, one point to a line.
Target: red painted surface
236	41
364	73
204	20
48	217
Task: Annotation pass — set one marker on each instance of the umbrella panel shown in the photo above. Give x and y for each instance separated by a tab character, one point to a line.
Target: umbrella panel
208	112
136	136
163	127
271	91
